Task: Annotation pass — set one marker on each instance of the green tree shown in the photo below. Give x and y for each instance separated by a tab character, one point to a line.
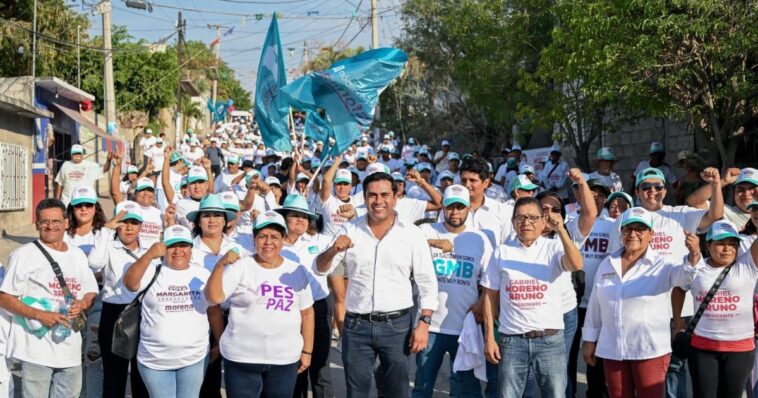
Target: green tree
330	55
56	51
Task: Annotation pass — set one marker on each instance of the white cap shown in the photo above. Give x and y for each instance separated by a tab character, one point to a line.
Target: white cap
230	200
516	147
149	131
525	169
424	166
748	174
637	214
77	149
271	180
132	169
268	218
453	156
159	140
175	234
456	194
302	176
196	173
445	143
133	210
83	194
377	168
144	183
343	176
555	148
232	159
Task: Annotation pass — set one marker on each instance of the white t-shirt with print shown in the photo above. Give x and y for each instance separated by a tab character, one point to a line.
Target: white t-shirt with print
332	219
152	226
72	175
183	207
594	249
174	328
29	274
458	274
264	319
87	241
527	279
729	315
669	224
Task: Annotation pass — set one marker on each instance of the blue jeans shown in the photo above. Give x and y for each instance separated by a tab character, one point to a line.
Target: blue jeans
175	383
41	381
93	361
544	356
363	341
253	380
677	375
570	322
428	362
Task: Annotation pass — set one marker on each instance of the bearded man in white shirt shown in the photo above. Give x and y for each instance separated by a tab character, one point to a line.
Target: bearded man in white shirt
380	252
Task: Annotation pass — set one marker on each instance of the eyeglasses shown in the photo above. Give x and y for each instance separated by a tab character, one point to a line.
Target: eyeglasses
521	219
646	186
84	206
637	231
51	223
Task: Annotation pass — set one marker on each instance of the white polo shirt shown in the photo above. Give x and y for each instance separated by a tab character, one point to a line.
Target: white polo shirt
304	252
458	274
528	281
380	270
628	316
669	225
110	257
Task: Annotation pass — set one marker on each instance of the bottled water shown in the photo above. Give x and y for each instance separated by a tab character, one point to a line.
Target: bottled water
61	332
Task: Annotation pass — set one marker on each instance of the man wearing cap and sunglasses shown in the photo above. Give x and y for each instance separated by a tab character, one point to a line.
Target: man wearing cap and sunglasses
669	224
77	172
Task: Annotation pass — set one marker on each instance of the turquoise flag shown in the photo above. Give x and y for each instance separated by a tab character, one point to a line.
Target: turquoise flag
271	109
348	91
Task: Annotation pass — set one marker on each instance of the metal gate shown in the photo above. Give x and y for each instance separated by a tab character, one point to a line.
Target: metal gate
14	177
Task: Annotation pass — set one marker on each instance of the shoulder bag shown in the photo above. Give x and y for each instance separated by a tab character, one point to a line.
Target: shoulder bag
80	322
680	346
126	330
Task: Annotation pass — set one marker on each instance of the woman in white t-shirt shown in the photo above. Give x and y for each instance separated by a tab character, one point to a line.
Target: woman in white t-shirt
749	232
260	153
173	346
269	338
111	257
627	322
722	349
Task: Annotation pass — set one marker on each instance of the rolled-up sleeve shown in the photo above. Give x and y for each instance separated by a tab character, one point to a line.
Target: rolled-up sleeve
424	275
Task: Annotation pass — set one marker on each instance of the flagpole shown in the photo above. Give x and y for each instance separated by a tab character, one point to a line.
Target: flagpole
315	173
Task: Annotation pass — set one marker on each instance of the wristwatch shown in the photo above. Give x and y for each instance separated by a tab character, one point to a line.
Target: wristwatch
426	319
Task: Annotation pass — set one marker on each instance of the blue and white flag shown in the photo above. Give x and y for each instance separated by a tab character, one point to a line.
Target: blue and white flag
271	109
348	91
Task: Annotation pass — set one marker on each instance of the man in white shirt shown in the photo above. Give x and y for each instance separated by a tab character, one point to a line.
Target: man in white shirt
50	361
486	214
523	275
146	142
380	253
554	174
460	255
77	172
156	154
333	205
440	158
604	172
224	180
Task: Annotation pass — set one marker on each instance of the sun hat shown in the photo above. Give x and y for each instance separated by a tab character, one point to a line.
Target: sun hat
456	194
211	204
83	194
297	203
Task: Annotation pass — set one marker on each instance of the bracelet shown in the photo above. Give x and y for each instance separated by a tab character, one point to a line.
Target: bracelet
306	352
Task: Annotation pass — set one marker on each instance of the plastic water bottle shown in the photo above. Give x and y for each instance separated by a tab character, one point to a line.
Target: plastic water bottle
61	332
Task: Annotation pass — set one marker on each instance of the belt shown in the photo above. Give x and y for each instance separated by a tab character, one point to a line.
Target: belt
380	316
536	333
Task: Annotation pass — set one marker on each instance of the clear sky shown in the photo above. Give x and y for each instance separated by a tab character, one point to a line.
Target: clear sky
320	23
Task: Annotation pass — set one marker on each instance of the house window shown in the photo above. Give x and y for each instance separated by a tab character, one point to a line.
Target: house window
14	177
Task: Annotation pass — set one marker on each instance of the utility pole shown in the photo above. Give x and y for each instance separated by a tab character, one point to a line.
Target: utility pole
110	95
78	57
375	45
179	48
215	75
34	49
304	69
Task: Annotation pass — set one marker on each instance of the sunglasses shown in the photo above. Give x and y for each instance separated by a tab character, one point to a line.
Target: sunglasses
646	186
